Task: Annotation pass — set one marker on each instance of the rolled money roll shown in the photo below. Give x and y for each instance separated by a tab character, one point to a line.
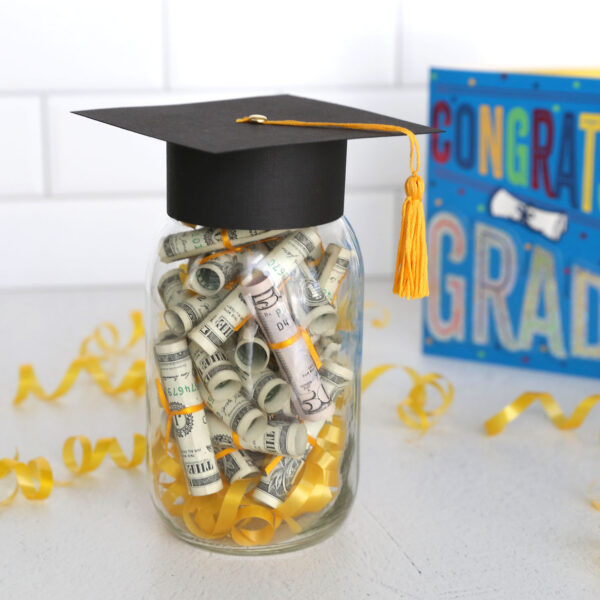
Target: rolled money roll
217	373
222	322
329	346
171	290
236	464
310	304
201	241
184	316
252	352
191	430
334	268
269	391
335	378
209	274
282	260
281	439
274	487
238	413
290	349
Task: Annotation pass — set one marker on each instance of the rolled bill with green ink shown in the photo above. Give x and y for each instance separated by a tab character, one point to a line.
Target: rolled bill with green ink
309	303
236	464
334	267
207	239
335	378
222	322
277	482
171	290
252	352
191	431
269	391
209	274
284	258
183	317
237	412
217	373
281	439
289	347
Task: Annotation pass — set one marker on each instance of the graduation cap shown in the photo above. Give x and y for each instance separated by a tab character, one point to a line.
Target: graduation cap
271	162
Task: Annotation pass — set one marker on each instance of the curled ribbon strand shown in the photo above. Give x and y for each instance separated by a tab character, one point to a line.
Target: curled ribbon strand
133	380
509	413
35	479
411	410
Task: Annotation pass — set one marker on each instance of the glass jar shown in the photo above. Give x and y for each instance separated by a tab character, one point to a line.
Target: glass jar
254	341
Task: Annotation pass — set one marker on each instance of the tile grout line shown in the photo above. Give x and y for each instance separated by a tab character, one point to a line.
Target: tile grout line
166	75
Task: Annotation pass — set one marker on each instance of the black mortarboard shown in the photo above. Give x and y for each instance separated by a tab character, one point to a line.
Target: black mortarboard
241	175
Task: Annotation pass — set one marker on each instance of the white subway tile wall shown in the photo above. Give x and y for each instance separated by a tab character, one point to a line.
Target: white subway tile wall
89	198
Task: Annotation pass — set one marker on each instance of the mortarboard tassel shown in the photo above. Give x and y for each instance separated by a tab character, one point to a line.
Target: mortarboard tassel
410	276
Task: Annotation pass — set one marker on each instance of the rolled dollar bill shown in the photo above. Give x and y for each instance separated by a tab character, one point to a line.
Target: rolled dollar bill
191	430
335	378
269	391
281	439
252	352
236	464
283	259
184	316
334	268
329	346
210	273
238	413
274	487
310	304
217	373
290	348
201	241
171	290
222	322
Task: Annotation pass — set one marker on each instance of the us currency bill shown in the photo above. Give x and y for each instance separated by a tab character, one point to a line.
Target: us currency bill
274	487
293	356
237	465
184	316
335	378
269	391
222	322
209	274
252	351
217	373
207	239
281	439
171	290
191	431
334	267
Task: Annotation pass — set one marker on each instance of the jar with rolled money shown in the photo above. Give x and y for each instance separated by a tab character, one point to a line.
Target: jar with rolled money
254	318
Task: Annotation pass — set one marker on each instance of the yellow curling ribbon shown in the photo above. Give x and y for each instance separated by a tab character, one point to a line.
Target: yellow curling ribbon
35	479
133	380
509	413
384	321
232	511
301	332
411	410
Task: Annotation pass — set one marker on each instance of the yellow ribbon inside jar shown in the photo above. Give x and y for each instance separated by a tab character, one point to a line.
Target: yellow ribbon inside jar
232	511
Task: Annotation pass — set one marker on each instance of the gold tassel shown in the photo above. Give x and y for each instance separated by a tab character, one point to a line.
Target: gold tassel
410	275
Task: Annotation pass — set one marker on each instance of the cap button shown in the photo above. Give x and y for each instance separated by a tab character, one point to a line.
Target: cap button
257	119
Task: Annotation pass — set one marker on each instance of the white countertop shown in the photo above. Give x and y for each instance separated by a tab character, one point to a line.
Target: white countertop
453	514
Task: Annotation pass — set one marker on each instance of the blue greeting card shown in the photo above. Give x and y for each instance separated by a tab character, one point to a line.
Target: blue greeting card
513	208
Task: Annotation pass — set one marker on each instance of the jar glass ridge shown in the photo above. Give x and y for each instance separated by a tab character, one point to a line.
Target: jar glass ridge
254	339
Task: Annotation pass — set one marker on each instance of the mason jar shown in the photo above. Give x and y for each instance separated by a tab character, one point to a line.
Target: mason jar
254	342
